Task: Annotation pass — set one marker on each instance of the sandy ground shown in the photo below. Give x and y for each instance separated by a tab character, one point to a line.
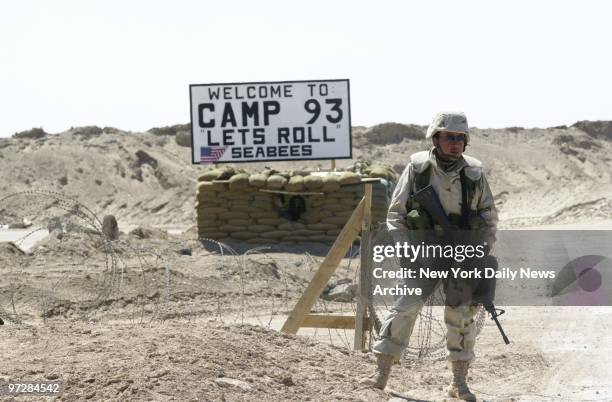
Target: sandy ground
214	334
168	318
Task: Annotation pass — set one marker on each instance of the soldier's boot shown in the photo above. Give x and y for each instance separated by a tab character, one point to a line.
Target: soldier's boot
383	370
459	388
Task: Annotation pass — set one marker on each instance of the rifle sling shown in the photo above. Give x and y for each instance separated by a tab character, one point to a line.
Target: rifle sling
465	208
422	181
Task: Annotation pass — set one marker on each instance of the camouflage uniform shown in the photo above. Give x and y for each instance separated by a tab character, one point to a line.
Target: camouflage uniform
398	326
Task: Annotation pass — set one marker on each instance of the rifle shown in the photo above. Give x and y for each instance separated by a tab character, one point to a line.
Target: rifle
494	314
429	201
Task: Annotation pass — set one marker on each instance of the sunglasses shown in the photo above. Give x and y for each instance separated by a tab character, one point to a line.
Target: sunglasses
453	138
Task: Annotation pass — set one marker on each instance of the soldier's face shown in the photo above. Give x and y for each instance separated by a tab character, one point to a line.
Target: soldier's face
450	143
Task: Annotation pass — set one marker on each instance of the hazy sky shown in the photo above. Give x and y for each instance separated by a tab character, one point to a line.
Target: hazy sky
128	64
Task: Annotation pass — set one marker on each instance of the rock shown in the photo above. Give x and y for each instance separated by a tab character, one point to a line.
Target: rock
24	224
344	292
55	223
143	158
287	381
110	227
230	382
185	251
147	233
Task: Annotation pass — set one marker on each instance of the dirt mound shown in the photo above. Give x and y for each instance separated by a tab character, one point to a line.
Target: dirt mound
206	360
391	133
171	130
148	177
34	133
599	129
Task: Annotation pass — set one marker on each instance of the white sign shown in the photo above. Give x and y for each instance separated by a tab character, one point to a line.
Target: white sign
270	121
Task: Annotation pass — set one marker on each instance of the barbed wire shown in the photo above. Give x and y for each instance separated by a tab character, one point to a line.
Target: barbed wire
78	272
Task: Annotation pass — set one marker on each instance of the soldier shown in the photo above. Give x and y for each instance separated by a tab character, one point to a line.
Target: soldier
455	177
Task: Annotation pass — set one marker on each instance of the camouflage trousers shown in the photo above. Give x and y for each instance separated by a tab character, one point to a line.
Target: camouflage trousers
398	326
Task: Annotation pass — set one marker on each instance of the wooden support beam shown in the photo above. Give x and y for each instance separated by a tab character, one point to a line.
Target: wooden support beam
291	192
326	270
365	266
329	321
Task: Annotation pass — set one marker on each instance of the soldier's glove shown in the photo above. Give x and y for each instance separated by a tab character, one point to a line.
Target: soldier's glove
417	220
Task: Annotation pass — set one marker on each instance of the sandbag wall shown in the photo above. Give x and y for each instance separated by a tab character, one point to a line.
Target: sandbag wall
245	213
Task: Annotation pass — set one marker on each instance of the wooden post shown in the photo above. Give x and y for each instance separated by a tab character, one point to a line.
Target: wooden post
326	270
365	268
333	165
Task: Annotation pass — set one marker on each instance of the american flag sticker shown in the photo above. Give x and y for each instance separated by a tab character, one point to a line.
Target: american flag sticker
211	154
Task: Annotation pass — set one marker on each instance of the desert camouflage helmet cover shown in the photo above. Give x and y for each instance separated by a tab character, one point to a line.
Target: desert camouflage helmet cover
449	121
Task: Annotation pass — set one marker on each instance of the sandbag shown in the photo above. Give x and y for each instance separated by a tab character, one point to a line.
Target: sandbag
205	209
331	183
223	173
308	232
333	208
210	219
276	182
261	228
263	205
239	182
313	182
322	239
240	222
386	173
211	235
232	228
243	235
233	215
337	220
242	208
207	187
321	226
258	180
259	214
349	178
211	175
259	240
276	234
263	197
352	188
296	183
295	238
271	221
291	226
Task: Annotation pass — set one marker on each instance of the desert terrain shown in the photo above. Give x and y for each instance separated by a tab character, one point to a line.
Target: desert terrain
161	315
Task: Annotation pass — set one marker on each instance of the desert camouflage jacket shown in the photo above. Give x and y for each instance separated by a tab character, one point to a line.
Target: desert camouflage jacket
448	187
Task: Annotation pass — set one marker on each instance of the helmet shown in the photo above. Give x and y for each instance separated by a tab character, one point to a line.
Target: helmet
449	121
